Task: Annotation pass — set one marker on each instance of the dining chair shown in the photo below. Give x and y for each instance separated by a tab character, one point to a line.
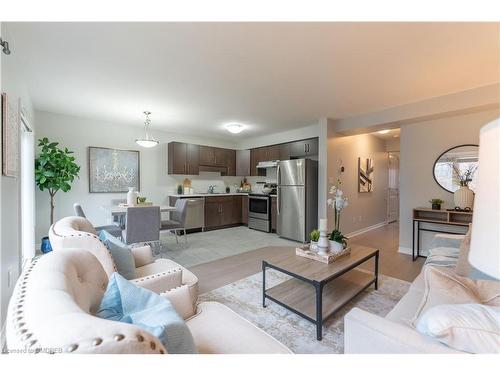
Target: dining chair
177	220
113	229
118	219
142	225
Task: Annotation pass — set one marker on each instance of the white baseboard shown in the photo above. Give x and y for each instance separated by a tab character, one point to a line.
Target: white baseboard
405	250
367	229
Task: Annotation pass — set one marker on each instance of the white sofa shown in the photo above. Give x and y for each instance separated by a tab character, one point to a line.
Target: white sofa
366	333
74	232
55	299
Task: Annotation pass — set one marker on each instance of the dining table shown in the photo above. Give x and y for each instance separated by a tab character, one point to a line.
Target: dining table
118	210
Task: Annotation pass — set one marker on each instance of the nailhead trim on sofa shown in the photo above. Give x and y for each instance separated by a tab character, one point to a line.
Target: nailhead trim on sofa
23	331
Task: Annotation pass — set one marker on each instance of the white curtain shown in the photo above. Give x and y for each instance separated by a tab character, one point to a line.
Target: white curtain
27	188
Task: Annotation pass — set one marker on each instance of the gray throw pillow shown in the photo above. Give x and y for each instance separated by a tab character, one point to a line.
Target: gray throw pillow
121	254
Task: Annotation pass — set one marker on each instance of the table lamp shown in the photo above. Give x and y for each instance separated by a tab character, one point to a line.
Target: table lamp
484	254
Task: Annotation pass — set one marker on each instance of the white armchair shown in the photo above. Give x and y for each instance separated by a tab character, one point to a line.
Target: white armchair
157	275
55	300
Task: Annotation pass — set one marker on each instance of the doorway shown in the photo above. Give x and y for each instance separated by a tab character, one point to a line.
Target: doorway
393	187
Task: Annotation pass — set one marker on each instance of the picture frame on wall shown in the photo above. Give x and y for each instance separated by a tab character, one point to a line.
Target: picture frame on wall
113	170
10	138
365	175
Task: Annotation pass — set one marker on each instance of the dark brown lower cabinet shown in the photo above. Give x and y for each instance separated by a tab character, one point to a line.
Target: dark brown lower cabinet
244	210
274	213
222	211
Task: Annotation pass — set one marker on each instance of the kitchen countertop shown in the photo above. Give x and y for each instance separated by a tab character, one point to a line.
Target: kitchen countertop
201	195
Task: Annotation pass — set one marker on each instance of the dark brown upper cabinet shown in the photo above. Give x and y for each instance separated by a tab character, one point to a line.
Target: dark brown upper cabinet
284	151
304	148
242	163
218	159
183	158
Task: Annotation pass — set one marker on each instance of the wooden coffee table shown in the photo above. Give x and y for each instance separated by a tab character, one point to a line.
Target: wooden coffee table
317	290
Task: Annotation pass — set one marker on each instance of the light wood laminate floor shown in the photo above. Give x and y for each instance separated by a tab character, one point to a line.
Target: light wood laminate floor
213	275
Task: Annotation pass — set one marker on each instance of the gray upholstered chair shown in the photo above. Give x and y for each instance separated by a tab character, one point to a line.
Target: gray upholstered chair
177	219
113	229
118	219
142	225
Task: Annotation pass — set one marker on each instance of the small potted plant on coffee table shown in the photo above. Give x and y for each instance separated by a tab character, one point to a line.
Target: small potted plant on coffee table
436	203
314	236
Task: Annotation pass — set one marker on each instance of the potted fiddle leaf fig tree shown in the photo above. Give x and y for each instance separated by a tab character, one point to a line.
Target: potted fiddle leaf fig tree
55	170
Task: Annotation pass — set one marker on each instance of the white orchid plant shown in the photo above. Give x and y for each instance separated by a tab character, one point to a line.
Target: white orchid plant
338	202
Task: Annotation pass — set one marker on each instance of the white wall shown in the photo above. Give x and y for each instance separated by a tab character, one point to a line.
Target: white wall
79	133
12	84
421	144
365	209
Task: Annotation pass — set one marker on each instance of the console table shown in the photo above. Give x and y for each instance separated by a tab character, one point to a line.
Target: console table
441	217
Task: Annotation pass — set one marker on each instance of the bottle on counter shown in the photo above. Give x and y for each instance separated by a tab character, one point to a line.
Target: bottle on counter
179	189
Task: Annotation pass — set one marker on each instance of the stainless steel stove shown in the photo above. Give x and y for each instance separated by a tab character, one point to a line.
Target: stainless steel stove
259	209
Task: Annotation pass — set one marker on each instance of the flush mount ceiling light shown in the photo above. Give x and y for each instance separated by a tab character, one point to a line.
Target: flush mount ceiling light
147	141
235	128
384	131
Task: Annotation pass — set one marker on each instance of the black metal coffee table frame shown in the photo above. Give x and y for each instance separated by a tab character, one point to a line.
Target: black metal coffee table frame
318	286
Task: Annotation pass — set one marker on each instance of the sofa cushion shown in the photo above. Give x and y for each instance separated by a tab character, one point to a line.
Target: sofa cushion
472	328
125	302
219	330
121	254
443	286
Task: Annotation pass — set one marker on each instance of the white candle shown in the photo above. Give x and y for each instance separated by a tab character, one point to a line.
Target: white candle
323	225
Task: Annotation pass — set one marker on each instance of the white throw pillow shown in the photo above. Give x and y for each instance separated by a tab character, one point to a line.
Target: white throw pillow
471	328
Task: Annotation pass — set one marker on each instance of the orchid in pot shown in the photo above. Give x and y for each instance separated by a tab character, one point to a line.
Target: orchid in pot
338	202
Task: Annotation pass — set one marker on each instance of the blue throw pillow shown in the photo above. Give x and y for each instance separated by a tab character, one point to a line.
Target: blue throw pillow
125	302
121	254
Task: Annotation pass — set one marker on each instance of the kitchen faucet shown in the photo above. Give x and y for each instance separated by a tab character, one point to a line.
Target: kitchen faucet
211	189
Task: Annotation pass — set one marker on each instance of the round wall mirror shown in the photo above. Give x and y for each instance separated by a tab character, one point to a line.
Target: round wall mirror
458	161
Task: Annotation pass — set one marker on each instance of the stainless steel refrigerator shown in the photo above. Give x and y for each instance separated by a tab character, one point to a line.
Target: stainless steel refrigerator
297	202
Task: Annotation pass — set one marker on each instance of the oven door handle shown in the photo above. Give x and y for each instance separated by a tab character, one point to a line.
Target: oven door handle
261	198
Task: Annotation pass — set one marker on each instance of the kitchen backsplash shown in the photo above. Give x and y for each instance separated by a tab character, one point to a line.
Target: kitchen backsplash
201	182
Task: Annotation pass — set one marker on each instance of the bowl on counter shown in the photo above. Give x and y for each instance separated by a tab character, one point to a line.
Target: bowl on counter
266	190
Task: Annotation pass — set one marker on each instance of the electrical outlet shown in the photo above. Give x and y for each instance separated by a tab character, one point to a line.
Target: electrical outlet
9	278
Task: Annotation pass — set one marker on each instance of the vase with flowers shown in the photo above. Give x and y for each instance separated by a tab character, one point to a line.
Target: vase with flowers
338	202
463	197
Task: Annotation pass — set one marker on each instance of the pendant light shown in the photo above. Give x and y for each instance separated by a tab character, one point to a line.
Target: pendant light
147	141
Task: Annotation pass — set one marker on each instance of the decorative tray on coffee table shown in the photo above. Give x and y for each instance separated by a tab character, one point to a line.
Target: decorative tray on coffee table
306	252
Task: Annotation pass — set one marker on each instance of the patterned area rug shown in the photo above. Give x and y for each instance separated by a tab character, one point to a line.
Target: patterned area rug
245	298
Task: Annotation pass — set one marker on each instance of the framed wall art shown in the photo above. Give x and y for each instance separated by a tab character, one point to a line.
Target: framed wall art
112	170
365	175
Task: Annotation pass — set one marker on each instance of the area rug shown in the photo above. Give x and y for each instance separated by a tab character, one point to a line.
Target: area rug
245	298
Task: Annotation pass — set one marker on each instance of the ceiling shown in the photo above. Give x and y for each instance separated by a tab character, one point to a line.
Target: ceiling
391	134
270	76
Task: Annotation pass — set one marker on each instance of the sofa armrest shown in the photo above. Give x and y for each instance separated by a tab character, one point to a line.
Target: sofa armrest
181	300
366	333
190	279
447	240
162	281
142	255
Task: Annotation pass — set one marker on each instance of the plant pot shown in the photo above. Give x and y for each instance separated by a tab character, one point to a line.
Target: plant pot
45	246
313	246
436	206
463	197
336	247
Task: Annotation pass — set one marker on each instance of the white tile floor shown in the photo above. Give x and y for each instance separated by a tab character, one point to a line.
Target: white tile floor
205	247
